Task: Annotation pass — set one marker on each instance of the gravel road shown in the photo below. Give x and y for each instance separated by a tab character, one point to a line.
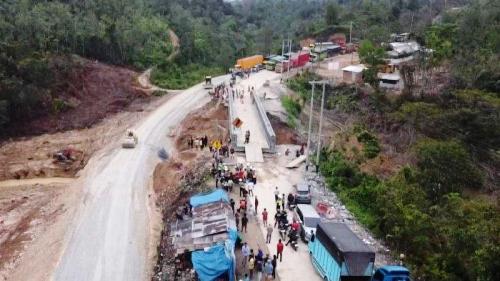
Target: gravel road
109	237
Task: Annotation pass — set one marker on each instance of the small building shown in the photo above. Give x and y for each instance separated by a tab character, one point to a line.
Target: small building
402	49
353	73
324	50
390	81
207	239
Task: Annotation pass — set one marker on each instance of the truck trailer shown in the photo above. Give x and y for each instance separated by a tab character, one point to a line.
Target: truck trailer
249	62
339	255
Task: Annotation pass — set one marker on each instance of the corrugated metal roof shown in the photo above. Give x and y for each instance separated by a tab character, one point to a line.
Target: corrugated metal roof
354	68
209	225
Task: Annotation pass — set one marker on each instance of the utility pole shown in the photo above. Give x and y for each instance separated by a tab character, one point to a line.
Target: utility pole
283	47
313	83
350	33
289	58
320	122
310	124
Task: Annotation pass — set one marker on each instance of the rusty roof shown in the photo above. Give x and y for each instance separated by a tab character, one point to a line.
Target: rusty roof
209	225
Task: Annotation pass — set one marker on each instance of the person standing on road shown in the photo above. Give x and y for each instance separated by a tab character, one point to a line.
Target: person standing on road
276	194
264	214
279	249
237	219
244	222
232	204
256	204
278	204
269	233
274	263
251	266
276	218
259	264
268	270
245	252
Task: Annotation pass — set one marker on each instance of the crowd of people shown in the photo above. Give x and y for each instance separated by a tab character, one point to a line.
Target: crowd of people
260	267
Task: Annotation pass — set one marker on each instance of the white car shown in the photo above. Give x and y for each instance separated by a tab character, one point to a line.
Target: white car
308	219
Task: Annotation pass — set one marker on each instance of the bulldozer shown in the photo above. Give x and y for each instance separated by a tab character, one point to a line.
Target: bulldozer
130	140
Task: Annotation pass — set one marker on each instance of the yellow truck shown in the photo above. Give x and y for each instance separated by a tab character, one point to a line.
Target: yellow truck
249	62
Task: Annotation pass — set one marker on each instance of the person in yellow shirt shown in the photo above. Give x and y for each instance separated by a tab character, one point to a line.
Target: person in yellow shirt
251	266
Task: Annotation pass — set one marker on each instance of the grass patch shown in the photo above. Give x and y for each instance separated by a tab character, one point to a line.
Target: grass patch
174	77
293	109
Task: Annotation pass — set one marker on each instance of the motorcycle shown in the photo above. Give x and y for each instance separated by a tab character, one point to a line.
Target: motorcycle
293	238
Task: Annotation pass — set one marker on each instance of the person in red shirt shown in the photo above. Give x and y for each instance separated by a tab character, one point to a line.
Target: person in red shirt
264	217
295	226
279	248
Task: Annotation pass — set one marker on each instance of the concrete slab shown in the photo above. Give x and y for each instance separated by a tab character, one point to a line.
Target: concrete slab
253	153
296	162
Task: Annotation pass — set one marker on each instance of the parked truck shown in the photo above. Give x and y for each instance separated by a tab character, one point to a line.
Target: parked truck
249	62
300	59
338	254
391	273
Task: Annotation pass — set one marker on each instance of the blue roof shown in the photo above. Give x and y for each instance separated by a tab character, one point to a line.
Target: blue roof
210	197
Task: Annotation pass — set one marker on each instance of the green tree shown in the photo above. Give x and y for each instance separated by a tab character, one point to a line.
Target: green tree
332	14
444	167
440	38
372	56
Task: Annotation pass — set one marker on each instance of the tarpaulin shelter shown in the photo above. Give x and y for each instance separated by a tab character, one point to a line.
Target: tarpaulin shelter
210	197
210	236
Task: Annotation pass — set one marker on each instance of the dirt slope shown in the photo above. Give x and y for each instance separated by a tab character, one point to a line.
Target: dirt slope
92	92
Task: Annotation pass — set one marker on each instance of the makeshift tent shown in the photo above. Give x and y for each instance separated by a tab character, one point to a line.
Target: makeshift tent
210	197
216	260
219	258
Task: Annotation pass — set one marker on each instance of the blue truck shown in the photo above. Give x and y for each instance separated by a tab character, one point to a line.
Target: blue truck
338	254
391	273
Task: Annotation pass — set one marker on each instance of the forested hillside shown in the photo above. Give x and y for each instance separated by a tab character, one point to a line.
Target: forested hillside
37	39
421	168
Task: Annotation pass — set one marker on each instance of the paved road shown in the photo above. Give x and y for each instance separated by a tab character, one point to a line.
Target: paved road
109	237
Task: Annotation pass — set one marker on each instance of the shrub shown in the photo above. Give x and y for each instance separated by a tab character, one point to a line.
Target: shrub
370	143
172	76
292	107
444	167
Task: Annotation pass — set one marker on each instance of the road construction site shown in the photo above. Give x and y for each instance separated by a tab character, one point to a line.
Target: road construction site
110	225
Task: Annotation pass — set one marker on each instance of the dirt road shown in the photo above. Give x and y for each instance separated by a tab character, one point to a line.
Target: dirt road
108	239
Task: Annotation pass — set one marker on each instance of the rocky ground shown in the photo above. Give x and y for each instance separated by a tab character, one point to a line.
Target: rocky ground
322	194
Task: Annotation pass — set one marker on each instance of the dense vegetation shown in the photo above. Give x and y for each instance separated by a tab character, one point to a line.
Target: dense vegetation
444	237
38	37
441	210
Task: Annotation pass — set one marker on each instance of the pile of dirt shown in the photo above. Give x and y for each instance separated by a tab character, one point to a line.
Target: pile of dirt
183	175
32	157
284	134
91	92
211	121
25	211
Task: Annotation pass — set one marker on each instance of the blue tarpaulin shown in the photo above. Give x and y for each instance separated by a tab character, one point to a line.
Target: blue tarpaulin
205	198
218	259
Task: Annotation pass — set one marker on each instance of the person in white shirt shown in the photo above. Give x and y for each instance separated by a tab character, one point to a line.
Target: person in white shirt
245	251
